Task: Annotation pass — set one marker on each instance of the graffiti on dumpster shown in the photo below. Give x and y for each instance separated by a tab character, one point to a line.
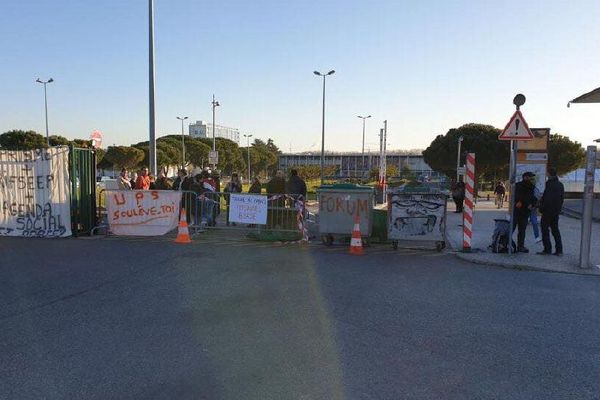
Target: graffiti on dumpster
417	215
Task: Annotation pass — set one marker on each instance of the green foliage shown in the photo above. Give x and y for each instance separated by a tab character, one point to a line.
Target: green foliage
406	173
22	140
56	140
82	143
124	156
390	171
492	154
564	155
313	172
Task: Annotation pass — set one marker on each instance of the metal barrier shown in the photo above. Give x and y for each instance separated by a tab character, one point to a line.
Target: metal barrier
210	210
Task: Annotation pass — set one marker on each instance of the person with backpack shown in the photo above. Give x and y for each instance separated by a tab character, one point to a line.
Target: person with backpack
550	207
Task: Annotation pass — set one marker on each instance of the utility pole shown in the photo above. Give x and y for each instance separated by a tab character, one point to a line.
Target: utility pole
248	148
460	140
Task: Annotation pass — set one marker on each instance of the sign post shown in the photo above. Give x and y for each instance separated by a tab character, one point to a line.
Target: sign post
516	129
213	158
588	205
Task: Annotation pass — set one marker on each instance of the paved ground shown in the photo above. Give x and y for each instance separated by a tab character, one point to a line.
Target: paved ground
576	206
145	318
485	212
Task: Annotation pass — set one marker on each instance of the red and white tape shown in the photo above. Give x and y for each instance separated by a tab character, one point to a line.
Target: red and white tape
469	204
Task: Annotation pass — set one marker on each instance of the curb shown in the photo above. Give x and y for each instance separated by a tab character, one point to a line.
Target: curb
576	214
520	267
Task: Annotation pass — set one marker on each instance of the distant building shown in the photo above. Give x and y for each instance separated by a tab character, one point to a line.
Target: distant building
350	165
204	129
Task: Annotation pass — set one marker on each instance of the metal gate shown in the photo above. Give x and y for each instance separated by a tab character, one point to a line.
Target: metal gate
82	164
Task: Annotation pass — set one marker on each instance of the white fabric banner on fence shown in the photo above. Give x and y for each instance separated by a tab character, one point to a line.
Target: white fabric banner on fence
35	193
142	212
248	209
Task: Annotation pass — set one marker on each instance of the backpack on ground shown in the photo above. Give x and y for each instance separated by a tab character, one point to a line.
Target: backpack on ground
501	237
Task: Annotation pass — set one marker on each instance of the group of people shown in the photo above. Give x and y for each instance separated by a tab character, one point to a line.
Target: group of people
142	180
528	201
207	188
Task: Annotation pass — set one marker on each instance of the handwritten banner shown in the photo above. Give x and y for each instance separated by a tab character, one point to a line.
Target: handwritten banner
142	212
35	193
248	209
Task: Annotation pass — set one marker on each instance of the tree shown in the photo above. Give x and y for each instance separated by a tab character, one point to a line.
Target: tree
406	173
82	143
124	156
22	140
564	155
492	154
390	172
56	140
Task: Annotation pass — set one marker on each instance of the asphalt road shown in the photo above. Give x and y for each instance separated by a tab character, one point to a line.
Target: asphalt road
148	319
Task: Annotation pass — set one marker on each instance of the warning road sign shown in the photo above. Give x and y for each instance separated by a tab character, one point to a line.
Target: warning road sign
516	129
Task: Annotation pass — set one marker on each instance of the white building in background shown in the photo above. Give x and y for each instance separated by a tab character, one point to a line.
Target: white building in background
204	129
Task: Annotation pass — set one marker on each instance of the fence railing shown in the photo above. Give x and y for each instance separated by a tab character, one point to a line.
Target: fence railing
210	210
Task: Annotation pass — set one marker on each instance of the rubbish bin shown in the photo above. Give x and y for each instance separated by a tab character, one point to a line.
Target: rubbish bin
339	204
417	216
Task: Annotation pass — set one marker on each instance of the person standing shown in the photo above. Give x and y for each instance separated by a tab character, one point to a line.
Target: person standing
123	181
458	194
524	202
500	192
143	180
296	185
550	207
256	186
234	186
533	217
133	180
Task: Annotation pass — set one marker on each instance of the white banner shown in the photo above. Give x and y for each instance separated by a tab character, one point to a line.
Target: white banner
142	212
248	209
35	193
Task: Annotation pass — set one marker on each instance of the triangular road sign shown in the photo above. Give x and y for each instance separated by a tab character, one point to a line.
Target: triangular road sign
516	129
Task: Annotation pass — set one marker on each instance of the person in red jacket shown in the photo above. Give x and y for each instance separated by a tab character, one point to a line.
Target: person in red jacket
143	180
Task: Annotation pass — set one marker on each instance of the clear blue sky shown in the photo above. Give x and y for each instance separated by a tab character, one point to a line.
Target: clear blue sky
424	66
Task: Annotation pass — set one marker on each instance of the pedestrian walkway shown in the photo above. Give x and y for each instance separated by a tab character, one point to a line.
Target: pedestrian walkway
483	228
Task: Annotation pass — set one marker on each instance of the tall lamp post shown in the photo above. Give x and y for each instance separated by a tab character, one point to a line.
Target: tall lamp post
248	147
460	140
323	122
182	142
46	105
363	142
215	104
151	109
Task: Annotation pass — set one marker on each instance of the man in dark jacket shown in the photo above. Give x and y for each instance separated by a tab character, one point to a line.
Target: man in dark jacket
524	202
296	185
550	207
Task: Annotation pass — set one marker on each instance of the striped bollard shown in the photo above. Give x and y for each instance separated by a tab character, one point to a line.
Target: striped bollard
468	207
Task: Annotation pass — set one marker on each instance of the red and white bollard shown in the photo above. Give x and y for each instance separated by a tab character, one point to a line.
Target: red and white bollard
469	204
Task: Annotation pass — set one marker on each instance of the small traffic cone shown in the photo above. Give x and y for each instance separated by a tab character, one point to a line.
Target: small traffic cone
183	235
356	247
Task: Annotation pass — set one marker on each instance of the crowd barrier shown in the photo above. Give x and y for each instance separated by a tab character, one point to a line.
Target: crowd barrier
210	211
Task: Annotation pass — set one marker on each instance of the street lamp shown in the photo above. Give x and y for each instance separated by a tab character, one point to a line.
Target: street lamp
248	146
182	142
323	122
215	104
363	142
597	140
460	140
38	80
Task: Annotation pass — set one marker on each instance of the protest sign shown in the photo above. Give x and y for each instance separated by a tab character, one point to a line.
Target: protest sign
142	212
35	193
248	209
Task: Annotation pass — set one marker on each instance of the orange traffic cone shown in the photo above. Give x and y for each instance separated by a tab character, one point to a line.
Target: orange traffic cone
356	241
183	235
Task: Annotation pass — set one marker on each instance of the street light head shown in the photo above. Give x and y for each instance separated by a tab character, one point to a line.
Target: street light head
50	80
597	140
368	116
317	73
331	72
38	80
